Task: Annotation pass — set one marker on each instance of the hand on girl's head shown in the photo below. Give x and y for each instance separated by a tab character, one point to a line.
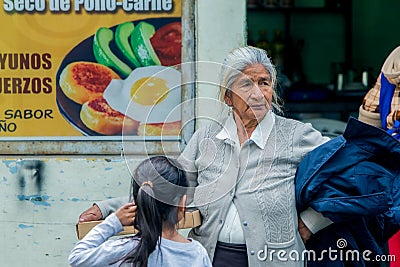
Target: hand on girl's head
126	214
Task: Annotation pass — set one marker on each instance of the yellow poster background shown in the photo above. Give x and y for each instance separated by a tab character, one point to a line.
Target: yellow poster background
23	114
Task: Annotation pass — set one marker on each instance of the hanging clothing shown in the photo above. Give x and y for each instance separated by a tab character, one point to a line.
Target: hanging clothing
354	180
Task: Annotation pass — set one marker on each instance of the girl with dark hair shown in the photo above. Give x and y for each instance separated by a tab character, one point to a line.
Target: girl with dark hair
159	191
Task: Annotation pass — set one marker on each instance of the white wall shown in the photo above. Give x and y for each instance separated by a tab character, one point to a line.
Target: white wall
42	233
220	27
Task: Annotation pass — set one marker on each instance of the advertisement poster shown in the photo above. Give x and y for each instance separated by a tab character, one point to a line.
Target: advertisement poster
90	69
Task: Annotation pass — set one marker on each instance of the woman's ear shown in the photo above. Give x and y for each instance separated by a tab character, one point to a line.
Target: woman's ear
228	98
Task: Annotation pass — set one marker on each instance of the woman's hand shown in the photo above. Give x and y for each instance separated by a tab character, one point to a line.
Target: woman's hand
126	214
91	214
305	233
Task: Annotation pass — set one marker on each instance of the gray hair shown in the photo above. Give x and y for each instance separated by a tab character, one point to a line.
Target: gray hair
235	63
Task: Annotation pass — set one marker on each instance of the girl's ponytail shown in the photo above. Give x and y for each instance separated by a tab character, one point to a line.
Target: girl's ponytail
158	186
149	223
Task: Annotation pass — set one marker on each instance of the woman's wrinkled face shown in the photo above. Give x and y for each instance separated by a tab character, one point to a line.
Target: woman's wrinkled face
251	94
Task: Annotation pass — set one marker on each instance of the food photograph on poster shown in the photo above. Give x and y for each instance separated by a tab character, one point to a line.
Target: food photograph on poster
124	80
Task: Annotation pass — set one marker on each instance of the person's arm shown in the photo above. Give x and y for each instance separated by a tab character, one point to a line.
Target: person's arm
310	222
111	205
307	139
102	209
187	160
95	249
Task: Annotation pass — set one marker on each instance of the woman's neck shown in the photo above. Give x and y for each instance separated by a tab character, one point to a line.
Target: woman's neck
244	128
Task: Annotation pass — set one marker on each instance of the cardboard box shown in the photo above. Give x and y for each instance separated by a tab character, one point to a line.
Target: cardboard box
83	228
192	219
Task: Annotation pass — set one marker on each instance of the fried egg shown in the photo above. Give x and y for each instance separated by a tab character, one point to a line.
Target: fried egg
149	94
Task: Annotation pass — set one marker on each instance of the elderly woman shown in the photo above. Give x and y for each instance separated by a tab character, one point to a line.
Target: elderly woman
243	171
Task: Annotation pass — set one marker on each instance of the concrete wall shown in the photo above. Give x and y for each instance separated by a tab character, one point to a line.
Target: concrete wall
37	220
220	27
38	226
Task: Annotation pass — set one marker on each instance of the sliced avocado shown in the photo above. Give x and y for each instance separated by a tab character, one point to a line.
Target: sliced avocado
140	42
103	53
122	34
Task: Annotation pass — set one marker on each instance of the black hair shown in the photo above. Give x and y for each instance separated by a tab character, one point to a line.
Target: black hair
158	185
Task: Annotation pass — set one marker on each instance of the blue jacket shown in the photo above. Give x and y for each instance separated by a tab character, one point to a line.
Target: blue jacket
353	179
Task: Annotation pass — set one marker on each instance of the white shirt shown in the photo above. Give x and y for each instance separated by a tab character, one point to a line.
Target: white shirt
232	231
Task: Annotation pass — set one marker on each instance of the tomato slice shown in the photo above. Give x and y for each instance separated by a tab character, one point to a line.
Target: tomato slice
167	43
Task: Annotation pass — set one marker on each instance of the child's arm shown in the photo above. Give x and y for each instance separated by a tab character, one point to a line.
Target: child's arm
96	250
126	214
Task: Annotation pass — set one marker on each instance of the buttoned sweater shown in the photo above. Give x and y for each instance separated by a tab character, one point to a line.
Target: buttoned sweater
259	181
